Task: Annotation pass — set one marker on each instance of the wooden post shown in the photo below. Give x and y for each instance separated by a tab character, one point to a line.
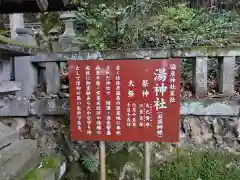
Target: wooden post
102	161
147	155
147	158
102	146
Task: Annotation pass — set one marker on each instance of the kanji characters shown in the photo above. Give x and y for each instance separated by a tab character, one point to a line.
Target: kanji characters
131	83
160	103
145	83
172	98
118	101
160	89
131	93
145	93
160	74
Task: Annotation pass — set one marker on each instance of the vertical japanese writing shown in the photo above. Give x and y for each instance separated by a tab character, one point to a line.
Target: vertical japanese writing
131	91
172	83
78	99
148	115
98	102
108	102
131	107
146	108
121	100
141	115
160	124
134	111
129	115
108	81
160	90
145	115
160	77
88	99
118	101
145	91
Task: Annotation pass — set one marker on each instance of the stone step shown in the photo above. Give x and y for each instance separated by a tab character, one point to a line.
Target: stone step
7	135
18	158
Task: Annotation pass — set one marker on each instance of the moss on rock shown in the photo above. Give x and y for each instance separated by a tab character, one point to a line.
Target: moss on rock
6	40
48	166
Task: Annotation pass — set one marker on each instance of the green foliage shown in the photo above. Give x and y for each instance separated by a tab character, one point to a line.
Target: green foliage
204	166
105	24
96	26
90	163
151	25
3	32
49	20
117	160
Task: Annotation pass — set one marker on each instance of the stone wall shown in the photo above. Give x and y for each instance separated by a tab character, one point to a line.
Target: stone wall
201	132
206	123
214	132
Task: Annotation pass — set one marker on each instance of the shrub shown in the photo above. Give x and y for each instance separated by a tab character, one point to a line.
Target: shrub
202	166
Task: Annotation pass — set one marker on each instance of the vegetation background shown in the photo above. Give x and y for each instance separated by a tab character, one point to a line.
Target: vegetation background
122	24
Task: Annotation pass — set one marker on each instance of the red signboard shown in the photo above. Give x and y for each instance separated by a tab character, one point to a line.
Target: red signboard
125	100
